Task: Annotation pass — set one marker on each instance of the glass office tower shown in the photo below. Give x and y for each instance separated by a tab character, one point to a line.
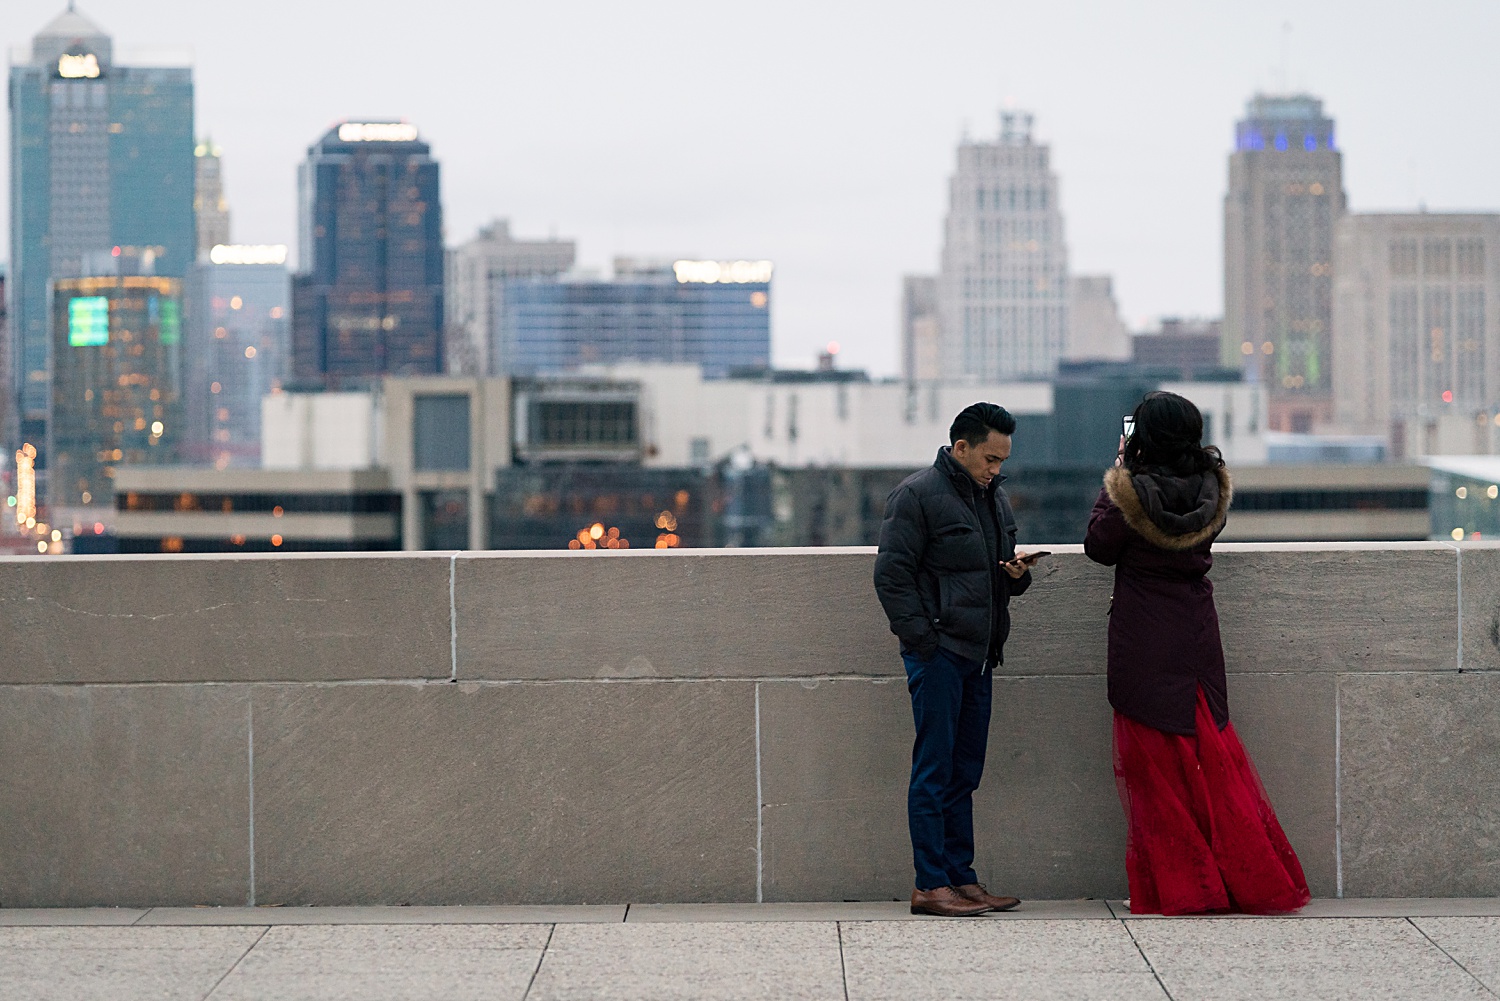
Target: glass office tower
101	157
115	349
715	314
368	300
236	332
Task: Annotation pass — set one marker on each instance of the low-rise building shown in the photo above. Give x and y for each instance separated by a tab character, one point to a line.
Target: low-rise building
180	509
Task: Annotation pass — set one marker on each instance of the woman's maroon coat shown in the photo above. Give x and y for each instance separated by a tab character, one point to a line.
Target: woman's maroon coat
1163	628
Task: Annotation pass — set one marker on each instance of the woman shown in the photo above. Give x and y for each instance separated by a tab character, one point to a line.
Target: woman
1202	834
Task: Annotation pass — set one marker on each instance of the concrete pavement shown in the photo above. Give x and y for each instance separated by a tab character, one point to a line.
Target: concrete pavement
1412	950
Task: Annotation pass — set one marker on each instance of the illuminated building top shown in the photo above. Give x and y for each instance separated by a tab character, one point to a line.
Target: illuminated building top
391	132
241	253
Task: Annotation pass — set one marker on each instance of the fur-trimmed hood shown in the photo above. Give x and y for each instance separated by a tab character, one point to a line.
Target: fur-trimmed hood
1172	512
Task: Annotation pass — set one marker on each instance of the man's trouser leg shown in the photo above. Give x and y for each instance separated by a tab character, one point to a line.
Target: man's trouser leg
936	688
972	739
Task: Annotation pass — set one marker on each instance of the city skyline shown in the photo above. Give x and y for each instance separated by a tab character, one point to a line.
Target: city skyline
844	192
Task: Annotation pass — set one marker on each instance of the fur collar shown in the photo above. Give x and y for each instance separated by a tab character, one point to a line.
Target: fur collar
1117	483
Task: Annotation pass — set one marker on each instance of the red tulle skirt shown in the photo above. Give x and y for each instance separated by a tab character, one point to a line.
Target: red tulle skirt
1202	834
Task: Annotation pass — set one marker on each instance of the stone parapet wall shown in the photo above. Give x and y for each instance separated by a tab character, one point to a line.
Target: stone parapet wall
443	728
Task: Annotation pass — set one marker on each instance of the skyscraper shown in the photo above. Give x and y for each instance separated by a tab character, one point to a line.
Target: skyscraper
1003	291
209	204
101	157
476	275
1286	193
236	323
115	359
368	300
1416	335
714	314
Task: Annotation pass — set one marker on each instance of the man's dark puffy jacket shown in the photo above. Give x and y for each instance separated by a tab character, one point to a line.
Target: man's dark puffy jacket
937	576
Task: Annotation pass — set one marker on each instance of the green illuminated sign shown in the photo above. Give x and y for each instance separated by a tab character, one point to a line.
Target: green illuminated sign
171	321
88	321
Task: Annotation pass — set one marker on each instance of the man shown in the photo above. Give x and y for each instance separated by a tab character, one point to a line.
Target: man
945	575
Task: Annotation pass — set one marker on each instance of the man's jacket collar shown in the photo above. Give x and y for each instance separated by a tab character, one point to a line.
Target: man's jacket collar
950	467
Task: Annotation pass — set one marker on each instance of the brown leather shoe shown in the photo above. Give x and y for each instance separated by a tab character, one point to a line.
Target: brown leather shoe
945	902
977	893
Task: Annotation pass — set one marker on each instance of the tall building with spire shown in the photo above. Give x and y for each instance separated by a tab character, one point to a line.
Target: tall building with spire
210	207
1286	195
1003	289
101	162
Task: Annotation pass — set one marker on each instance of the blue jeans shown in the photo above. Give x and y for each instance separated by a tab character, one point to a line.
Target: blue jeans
950	701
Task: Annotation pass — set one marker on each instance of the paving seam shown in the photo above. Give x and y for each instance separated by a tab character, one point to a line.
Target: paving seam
545	945
838	926
1420	931
1149	965
1338	786
236	964
250	760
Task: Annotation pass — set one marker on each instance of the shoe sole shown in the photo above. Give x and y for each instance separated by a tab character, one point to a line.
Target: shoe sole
935	914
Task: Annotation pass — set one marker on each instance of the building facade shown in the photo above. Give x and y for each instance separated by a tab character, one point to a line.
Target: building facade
236	341
1286	194
101	157
1003	291
210	207
1416	337
475	297
715	314
1095	330
368	298
921	345
116	352
1188	348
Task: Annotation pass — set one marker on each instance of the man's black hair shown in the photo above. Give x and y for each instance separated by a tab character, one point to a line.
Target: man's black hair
978	420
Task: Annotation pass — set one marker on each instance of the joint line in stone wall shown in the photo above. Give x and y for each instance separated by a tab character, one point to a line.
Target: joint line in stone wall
1338	787
760	858
1460	589
453	617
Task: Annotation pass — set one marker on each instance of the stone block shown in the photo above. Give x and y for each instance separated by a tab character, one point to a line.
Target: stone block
1047	817
124	796
1474	943
670	615
519	794
1299	610
1293	959
834	762
798	961
389	963
218	618
1061	624
1421	808
835	758
1286	723
169	964
1479	565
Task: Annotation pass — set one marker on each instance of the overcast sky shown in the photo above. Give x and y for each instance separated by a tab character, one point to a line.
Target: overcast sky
822	135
